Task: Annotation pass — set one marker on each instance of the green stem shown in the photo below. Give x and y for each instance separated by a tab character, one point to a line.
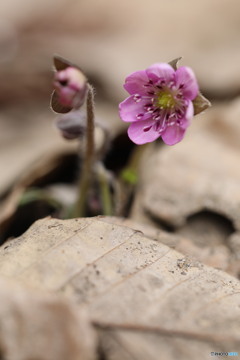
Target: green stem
86	171
128	180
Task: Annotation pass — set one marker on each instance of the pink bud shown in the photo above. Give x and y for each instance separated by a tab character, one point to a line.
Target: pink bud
71	86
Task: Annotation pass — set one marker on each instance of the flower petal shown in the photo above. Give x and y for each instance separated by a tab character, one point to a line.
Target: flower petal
160	71
185	76
135	82
173	134
185	121
131	110
140	136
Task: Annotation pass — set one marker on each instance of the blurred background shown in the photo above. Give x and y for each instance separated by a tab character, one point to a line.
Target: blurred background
108	40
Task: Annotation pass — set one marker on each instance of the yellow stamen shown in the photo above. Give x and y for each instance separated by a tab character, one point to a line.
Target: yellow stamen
165	100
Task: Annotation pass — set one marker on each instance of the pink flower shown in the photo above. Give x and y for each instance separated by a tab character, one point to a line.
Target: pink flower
70	88
160	103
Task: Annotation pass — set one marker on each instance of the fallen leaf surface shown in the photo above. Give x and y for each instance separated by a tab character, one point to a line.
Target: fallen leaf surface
144	298
214	254
36	325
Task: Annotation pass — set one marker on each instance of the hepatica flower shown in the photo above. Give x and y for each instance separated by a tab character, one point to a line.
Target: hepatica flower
161	103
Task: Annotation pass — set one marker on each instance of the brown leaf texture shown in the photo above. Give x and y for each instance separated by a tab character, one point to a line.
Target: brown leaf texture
146	300
42	326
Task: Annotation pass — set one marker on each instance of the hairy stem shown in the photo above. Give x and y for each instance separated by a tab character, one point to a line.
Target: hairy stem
86	172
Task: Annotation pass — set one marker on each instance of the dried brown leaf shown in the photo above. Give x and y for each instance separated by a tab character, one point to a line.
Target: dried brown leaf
144	297
35	325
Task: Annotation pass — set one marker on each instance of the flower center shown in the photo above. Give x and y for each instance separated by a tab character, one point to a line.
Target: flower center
165	100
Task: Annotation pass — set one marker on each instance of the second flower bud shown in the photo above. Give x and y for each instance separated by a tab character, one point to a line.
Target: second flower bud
70	87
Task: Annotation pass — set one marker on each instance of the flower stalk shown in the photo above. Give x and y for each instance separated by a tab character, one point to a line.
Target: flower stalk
71	92
85	179
128	181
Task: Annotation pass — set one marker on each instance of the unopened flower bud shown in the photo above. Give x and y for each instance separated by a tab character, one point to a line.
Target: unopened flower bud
70	85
